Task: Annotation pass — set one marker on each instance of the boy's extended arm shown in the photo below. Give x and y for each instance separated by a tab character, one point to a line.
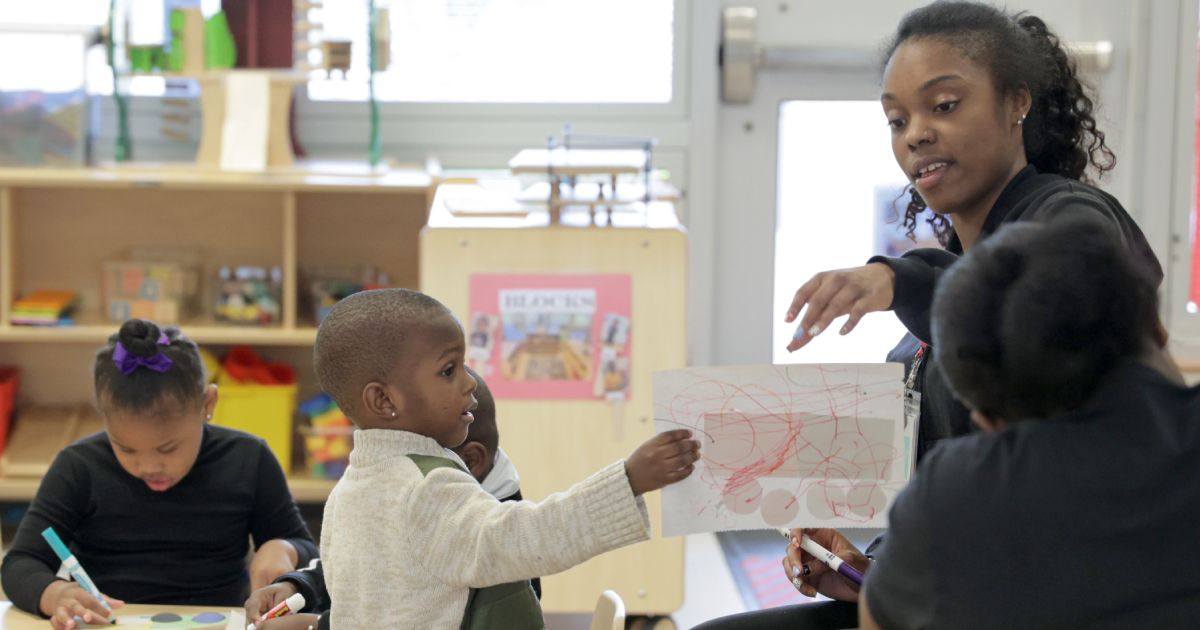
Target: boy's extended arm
467	538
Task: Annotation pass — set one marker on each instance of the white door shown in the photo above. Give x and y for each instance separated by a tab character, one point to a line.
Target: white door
803	172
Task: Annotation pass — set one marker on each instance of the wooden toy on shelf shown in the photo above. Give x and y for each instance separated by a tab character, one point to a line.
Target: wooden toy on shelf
587	171
249	295
162	286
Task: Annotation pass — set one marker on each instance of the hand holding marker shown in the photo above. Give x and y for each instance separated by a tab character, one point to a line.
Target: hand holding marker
827	557
75	569
286	607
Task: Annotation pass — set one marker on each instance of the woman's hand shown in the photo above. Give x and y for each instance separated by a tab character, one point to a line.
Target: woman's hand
811	576
832	294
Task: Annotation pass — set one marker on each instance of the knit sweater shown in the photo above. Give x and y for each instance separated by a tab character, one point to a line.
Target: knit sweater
390	530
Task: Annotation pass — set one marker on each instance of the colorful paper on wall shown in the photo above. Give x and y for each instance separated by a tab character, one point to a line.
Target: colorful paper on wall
552	336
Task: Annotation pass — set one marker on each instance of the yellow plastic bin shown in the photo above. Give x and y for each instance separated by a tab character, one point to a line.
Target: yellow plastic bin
262	410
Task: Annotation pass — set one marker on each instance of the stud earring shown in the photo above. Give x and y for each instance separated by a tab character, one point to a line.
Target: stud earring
393	413
1022	120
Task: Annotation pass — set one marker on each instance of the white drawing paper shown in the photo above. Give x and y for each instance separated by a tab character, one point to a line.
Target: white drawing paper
816	445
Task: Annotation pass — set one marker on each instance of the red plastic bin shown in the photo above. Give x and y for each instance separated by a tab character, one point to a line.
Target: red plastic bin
10	380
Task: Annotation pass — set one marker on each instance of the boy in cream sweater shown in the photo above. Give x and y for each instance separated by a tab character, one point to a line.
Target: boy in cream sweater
409	537
484	459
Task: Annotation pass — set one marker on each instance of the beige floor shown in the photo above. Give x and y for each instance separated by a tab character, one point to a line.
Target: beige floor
708	589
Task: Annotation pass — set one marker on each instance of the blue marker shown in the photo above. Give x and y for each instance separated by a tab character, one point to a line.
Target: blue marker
75	569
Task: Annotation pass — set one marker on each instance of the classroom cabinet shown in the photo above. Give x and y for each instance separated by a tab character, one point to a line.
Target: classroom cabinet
58	228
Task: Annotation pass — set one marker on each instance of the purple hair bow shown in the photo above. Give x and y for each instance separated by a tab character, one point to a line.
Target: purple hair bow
127	362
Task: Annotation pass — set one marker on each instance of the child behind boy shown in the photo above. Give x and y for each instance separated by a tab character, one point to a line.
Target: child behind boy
158	507
410	540
483	457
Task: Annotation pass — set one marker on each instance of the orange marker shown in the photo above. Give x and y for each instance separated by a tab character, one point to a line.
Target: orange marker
286	607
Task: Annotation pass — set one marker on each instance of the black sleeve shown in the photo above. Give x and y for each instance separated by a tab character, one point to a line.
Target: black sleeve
310	582
917	273
275	513
323	624
901	585
1080	202
61	502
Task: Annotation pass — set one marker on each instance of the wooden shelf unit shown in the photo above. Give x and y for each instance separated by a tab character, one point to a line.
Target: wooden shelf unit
57	227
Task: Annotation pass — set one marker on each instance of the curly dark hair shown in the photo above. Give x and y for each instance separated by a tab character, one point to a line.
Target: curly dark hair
1019	50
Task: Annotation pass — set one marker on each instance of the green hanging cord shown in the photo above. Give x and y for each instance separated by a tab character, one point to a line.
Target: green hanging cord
123	151
376	147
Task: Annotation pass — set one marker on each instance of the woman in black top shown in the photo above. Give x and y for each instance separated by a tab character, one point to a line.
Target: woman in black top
992	125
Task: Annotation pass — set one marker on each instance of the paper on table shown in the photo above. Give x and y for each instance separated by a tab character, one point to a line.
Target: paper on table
819	445
232	620
237	620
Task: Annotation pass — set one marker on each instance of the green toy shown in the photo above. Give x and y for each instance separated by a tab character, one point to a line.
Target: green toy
220	52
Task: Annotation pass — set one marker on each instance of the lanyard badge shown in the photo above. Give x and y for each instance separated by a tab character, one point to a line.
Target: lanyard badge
912	399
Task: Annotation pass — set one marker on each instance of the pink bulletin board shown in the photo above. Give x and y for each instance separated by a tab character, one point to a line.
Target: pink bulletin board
551	336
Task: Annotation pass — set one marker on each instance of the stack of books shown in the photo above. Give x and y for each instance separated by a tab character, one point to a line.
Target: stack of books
45	308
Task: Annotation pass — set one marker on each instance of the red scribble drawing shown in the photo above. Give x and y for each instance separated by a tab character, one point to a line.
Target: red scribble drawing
818	445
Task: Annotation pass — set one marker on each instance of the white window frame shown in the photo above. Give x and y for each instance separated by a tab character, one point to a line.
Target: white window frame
471	134
479	132
1170	142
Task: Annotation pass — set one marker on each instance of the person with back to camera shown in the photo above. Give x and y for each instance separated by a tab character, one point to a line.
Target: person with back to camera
160	506
1049	333
409	538
1089	447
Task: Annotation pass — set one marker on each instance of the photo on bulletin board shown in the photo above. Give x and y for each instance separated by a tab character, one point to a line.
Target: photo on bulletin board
890	238
551	336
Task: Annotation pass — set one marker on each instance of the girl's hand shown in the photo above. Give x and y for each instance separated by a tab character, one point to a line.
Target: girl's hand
661	460
831	294
64	601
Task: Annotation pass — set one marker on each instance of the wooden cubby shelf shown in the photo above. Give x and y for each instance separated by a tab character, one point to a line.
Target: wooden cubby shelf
59	226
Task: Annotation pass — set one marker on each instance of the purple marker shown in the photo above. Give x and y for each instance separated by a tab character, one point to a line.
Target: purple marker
826	556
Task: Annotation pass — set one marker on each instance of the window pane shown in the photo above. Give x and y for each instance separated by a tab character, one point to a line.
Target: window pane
840	197
508	51
67	12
